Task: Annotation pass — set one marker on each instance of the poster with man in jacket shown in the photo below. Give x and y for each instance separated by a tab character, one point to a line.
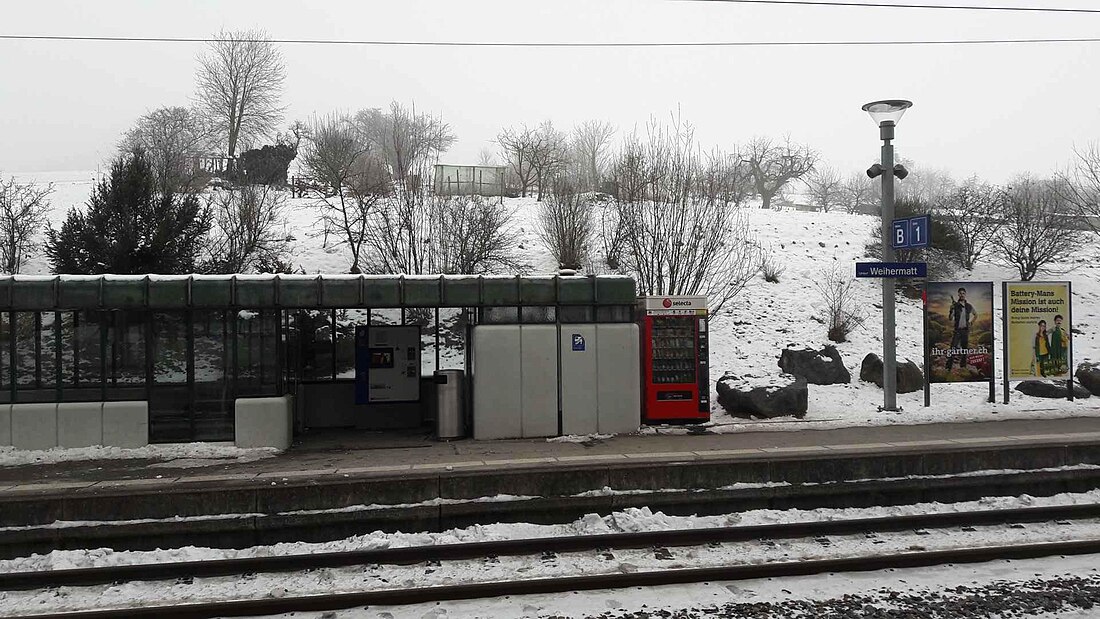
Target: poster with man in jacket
960	331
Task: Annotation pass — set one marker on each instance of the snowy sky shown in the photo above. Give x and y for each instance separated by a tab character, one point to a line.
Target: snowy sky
994	110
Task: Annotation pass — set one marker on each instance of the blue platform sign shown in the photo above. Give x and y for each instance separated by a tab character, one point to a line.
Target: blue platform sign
891	269
578	342
911	232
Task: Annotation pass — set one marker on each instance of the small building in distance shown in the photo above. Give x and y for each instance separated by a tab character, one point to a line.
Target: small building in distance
468	180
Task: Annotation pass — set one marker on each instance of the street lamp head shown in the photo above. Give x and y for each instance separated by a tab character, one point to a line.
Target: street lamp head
887	111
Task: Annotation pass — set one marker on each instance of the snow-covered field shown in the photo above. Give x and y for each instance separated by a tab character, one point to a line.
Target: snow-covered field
746	337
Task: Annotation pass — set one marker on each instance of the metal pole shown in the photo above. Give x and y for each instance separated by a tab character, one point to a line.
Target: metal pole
889	354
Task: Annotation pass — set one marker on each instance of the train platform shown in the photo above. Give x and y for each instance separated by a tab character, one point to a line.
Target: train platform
342	454
332	486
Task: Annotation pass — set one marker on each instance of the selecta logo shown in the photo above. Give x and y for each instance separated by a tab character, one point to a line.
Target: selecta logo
667	302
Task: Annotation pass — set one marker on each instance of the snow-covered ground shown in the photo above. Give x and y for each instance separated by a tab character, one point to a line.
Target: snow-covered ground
747	337
501	568
182	455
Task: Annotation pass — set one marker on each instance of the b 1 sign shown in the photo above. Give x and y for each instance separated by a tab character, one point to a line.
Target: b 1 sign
911	232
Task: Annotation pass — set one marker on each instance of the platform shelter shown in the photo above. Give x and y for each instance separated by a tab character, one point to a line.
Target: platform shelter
131	360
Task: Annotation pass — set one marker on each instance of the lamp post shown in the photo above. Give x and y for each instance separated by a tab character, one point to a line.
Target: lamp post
886	115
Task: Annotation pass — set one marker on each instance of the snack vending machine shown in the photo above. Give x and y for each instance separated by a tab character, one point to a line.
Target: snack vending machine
675	359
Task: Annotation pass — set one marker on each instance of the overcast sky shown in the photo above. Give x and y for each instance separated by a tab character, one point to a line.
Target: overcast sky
993	110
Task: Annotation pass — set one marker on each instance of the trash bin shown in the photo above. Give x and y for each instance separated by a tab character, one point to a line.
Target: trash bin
449	397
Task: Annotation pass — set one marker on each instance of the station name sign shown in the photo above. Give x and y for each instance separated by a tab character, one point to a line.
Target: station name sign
891	269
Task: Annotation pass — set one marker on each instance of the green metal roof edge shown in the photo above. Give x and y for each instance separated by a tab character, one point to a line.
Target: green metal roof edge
167	292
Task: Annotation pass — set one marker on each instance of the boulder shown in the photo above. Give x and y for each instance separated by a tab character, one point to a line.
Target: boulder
1088	374
1051	389
823	367
750	396
909	376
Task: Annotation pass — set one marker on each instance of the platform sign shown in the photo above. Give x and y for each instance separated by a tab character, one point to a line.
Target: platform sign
891	269
578	342
911	232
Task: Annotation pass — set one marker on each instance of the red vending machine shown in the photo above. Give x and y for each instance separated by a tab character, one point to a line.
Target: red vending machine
675	359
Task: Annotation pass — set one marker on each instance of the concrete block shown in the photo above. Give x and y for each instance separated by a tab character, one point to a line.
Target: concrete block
5	425
126	424
34	426
79	424
262	422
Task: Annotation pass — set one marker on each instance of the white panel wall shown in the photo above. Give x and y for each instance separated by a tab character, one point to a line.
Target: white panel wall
579	378
539	380
498	393
619	389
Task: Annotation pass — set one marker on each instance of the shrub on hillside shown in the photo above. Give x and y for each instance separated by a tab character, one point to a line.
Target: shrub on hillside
130	227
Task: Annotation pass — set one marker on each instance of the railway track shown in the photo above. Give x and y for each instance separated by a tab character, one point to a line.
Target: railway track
451	552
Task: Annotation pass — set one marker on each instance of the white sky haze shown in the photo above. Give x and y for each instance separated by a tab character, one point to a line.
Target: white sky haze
991	110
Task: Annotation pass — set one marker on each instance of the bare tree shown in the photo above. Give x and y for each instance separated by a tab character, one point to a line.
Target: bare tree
825	188
858	193
348	178
171	138
410	142
486	157
417	233
23	210
726	178
1080	185
591	141
924	184
516	145
837	300
975	213
240	81
534	156
550	155
565	225
774	164
1036	230
249	233
678	237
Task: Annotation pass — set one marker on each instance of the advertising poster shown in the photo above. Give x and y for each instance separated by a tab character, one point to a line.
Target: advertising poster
1038	330
959	336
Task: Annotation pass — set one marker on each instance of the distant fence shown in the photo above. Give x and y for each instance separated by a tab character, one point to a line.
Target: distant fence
453	180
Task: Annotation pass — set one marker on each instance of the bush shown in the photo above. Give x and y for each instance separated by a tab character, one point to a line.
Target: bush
129	227
771	268
842	313
265	166
565	226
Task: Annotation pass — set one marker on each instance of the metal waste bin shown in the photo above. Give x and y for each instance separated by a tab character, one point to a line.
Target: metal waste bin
450	422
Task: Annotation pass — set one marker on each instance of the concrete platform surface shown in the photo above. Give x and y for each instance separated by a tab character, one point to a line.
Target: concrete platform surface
350	454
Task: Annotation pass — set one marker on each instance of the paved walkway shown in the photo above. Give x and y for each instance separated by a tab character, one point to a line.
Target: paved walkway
351	454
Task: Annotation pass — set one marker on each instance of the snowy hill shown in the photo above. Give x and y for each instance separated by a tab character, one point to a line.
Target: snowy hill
748	336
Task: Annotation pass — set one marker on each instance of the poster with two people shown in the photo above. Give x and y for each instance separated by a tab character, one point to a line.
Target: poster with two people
959	331
1038	330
